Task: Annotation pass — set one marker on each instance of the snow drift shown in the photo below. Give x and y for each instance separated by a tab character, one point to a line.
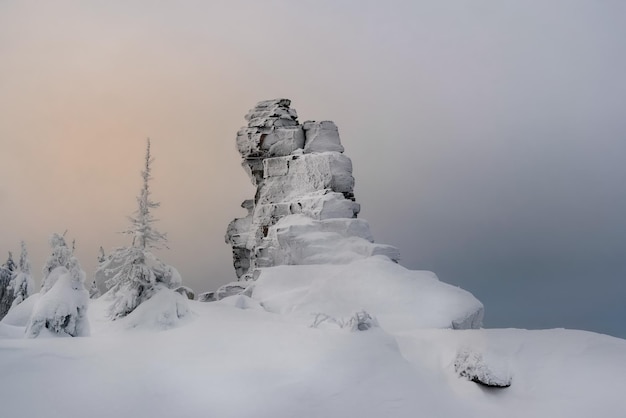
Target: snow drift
400	299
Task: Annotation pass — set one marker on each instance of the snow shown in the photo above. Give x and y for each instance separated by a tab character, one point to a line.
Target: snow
259	356
400	299
165	309
305	174
298	239
231	361
20	314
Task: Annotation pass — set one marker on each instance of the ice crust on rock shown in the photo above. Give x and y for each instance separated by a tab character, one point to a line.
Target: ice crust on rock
304	210
321	136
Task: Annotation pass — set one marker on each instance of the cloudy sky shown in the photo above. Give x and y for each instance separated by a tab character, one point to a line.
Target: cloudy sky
488	137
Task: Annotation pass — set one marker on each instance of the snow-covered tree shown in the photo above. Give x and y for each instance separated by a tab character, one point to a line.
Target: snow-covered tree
24	263
7	270
62	255
145	236
22	282
100	275
94	292
134	273
10	264
62	310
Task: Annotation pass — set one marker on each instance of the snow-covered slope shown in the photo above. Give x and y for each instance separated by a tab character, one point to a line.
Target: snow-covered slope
234	359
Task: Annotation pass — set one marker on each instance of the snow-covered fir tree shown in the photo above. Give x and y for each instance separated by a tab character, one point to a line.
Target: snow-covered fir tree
61	255
94	292
10	264
7	270
134	273
62	305
99	279
22	282
62	310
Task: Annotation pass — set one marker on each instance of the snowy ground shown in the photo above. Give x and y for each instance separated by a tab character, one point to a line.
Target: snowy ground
234	359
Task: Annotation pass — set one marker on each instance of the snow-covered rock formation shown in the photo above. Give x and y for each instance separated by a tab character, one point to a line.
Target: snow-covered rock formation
304	211
302	245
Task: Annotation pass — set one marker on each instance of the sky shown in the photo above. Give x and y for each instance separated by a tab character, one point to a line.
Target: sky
488	138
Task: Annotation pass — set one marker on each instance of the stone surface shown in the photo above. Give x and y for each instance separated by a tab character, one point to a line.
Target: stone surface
303	211
321	137
230	289
186	291
207	297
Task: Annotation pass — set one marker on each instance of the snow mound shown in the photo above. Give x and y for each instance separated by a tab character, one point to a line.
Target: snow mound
164	310
241	302
19	315
400	299
10	331
62	310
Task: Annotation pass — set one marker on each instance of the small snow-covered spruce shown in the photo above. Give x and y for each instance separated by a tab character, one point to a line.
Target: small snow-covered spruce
471	365
144	235
61	255
134	273
10	264
24	263
22	282
7	271
359	321
100	277
94	292
62	310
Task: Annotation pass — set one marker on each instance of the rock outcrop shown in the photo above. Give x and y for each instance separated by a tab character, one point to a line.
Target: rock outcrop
301	251
304	210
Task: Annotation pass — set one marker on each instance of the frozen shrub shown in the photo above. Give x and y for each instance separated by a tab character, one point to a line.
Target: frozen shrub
472	366
359	321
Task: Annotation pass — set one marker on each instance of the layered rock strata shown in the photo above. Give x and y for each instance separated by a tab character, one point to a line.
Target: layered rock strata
304	210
